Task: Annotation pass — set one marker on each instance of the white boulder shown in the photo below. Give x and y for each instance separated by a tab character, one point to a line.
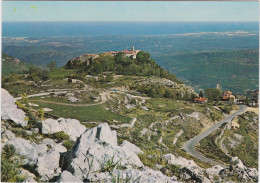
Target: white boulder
7	135
24	148
9	110
131	147
72	127
95	148
66	176
133	175
48	165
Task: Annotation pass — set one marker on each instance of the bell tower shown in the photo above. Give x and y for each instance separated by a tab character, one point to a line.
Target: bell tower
133	48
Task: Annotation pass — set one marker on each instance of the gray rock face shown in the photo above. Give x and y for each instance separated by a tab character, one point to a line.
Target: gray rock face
127	146
171	159
40	148
189	170
240	171
7	135
133	175
10	111
25	148
29	177
72	127
97	146
66	176
48	165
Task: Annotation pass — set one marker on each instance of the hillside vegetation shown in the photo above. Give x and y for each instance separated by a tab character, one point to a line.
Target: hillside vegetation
12	65
233	70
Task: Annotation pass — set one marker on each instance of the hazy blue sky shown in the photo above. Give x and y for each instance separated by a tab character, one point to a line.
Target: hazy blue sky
129	11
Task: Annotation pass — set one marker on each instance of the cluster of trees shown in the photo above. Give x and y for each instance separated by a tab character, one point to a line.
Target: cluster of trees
35	74
213	94
156	91
143	65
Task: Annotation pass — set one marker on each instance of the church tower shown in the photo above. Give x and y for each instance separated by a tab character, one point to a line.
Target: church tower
133	48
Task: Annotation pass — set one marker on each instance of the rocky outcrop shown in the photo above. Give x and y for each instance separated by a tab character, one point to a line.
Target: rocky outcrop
48	165
66	176
127	146
146	175
189	169
238	170
25	149
9	110
183	162
7	135
72	127
95	148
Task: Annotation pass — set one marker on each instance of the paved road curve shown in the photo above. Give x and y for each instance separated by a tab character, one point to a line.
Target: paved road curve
189	146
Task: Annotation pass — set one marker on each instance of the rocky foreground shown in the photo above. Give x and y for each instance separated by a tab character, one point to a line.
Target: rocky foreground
96	155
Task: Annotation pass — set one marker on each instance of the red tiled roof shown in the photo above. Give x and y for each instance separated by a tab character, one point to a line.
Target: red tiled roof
127	52
201	99
91	54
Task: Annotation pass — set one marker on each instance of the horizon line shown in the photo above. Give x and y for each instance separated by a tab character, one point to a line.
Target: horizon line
120	21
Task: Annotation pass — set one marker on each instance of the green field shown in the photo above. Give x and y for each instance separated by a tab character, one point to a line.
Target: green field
60	73
96	113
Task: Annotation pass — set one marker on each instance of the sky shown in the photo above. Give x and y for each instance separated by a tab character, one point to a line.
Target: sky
129	11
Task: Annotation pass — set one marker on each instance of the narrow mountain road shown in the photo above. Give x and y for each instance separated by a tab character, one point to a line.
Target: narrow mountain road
189	146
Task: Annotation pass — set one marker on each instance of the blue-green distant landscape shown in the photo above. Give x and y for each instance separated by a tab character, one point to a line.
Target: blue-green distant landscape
201	54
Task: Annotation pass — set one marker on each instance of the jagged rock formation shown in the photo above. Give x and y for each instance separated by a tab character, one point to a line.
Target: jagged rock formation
238	170
10	111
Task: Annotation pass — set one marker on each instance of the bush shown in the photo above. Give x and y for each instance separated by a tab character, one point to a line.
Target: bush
68	144
60	136
9	165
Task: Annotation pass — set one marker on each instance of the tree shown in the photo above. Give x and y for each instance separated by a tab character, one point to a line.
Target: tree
52	65
213	94
110	77
201	94
143	57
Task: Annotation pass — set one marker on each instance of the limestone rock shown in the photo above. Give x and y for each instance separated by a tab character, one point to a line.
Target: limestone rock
131	147
171	159
29	177
66	176
48	165
72	127
96	147
214	170
7	135
24	148
133	175
9	110
240	171
40	148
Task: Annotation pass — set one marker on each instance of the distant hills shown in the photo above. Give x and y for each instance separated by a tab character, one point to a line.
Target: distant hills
12	64
237	71
200	59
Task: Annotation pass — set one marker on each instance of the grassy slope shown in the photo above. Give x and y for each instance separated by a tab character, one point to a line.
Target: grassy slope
9	65
84	114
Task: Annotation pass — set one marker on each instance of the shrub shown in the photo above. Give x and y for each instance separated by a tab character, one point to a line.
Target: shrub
9	165
60	136
68	144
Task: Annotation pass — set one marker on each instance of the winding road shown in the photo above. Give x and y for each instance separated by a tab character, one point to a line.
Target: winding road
189	146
